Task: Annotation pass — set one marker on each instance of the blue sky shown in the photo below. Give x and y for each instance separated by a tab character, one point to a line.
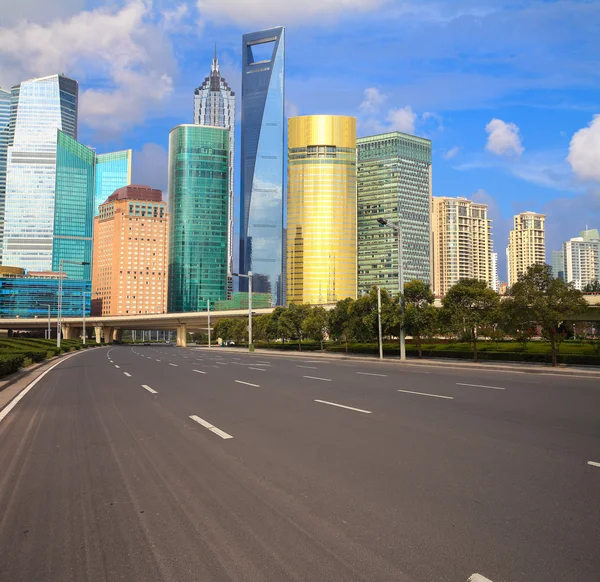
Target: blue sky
507	90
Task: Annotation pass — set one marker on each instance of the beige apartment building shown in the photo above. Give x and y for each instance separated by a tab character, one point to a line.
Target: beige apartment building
526	244
131	253
461	243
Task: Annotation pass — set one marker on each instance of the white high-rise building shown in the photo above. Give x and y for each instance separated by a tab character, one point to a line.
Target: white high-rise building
39	108
581	259
495	284
214	104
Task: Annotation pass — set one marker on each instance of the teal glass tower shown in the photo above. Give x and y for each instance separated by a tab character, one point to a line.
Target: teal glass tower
261	200
113	171
73	207
198	205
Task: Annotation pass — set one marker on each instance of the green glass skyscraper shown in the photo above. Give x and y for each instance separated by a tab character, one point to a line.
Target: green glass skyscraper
394	183
198	204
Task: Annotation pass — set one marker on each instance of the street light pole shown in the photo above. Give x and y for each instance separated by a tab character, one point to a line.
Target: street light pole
208	309
398	228
83	315
379	322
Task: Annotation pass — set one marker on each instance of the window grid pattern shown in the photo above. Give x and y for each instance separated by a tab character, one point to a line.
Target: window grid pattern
5	99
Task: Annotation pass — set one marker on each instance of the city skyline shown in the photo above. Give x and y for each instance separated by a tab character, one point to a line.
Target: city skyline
387	83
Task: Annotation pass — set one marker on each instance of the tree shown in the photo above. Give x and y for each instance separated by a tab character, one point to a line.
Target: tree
315	325
550	301
260	325
420	315
273	330
291	320
239	329
340	320
468	305
363	313
516	319
224	329
592	287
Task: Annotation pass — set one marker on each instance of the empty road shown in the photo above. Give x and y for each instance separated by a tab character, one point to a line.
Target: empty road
168	464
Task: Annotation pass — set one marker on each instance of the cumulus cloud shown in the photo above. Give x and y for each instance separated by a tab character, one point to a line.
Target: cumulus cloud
584	151
373	100
126	57
503	138
451	153
402	119
280	11
178	19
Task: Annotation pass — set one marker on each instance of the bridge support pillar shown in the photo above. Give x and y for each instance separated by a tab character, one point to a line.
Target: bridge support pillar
108	335
118	335
98	332
182	335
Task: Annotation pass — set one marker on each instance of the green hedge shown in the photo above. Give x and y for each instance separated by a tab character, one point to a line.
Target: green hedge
10	364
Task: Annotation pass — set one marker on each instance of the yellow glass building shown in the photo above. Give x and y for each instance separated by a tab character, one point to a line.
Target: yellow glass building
321	209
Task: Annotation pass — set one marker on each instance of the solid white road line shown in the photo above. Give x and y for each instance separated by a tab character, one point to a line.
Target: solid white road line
117	366
127	374
593	464
199	371
172	364
259	369
478	578
248	384
149	389
307	367
210	427
481	386
4	412
371	374
426	394
316	378
343	406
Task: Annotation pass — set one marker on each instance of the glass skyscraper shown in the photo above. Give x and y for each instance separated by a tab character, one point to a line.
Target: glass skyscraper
73	207
261	200
40	107
214	104
113	171
4	139
394	182
198	201
321	209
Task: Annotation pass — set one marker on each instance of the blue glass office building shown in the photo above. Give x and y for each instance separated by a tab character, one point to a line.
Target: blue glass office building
261	200
30	297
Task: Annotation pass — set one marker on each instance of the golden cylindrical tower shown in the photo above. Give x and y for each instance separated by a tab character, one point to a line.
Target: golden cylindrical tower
321	209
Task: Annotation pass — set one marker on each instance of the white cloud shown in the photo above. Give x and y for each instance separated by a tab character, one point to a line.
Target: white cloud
584	151
38	11
402	119
119	52
177	20
503	138
248	12
373	100
451	153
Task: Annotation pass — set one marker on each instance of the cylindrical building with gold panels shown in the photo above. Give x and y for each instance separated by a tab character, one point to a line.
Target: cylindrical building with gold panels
321	209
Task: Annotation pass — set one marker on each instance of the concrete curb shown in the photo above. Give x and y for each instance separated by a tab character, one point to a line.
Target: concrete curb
523	367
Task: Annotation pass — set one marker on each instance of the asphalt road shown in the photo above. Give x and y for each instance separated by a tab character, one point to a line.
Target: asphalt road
160	463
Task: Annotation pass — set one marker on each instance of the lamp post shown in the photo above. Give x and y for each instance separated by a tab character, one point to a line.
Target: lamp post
379	322
398	228
208	310
83	314
60	293
249	277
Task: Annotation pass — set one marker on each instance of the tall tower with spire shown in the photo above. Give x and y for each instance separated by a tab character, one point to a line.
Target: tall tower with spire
214	104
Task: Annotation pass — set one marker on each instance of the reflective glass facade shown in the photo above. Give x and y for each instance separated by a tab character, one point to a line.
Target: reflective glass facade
261	200
40	107
113	171
4	139
394	182
198	200
73	207
214	104
321	209
30	297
